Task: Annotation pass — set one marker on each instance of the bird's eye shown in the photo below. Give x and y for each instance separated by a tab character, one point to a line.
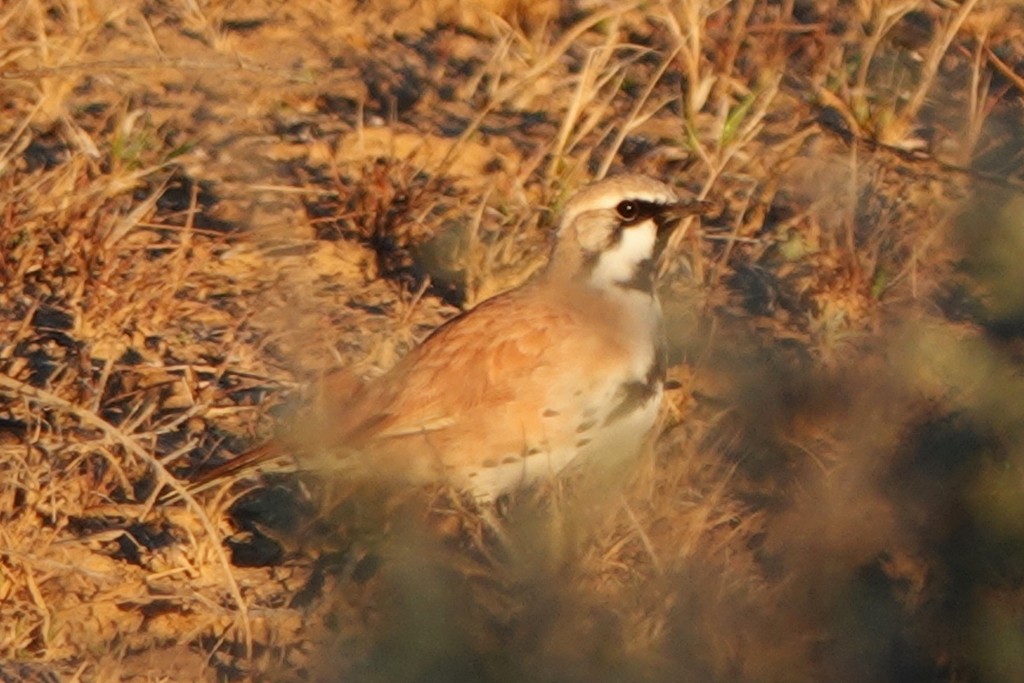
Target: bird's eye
628	210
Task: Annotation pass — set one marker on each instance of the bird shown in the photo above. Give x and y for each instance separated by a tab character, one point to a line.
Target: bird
564	371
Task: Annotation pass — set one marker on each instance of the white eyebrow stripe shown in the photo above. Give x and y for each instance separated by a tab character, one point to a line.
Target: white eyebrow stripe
611	201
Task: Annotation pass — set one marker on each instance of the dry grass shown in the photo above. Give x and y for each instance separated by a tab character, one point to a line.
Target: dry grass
204	208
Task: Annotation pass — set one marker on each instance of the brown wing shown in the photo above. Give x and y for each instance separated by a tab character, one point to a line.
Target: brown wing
477	359
484	385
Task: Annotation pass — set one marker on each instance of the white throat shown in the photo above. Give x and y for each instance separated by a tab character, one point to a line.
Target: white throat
619	263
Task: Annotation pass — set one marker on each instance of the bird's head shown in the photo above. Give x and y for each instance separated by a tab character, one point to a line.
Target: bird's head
612	232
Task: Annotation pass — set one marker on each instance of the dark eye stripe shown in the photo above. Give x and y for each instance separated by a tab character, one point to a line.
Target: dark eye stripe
633	211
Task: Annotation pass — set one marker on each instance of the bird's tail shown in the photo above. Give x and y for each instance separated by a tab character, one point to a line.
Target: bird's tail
257	458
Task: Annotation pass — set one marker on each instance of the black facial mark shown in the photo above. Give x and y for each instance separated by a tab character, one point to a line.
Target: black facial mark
636	393
643	277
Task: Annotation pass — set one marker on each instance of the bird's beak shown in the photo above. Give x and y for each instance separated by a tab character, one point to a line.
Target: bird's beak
669	216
